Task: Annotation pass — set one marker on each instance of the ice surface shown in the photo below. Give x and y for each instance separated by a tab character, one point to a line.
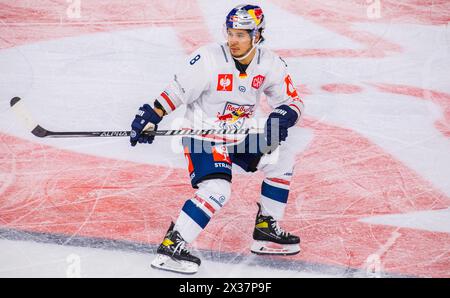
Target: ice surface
28	259
371	187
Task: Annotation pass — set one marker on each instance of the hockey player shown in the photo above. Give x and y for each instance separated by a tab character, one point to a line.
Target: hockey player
221	86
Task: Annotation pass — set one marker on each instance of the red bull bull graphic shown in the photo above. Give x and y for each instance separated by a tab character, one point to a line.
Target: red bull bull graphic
234	115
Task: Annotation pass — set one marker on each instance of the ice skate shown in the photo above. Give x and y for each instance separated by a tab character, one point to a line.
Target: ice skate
173	256
270	239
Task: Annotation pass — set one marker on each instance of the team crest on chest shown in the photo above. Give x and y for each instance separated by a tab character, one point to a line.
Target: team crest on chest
225	82
234	115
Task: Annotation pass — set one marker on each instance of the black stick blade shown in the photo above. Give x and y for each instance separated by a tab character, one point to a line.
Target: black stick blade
14	100
40	132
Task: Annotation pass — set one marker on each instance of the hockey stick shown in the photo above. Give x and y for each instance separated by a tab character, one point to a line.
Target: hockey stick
41	132
37	130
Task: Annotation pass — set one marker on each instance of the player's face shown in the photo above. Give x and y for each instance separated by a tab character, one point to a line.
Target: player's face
239	41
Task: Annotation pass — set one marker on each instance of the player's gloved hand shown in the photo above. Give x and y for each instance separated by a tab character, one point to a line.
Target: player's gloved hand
278	123
146	120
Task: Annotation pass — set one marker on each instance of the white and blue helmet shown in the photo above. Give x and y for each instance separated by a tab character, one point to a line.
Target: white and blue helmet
246	17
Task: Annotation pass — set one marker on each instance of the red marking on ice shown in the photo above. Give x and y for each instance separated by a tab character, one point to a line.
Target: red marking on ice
342	88
338	17
303	89
26	22
422	12
440	98
358	179
57	191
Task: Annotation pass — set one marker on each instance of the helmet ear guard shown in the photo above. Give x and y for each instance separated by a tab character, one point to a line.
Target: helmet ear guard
261	37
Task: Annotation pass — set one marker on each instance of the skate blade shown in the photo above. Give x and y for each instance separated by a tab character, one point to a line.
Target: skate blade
167	263
270	248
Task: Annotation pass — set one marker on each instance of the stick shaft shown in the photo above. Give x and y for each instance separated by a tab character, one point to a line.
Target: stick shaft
41	132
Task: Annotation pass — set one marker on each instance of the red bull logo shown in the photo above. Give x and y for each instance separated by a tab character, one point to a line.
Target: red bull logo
256	14
234	115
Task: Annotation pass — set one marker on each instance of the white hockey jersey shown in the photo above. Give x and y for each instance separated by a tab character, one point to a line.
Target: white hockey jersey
218	96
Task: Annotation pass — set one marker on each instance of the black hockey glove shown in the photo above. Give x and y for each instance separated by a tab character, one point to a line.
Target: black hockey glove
145	120
277	124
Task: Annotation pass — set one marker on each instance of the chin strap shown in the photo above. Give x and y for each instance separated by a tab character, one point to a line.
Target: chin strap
254	45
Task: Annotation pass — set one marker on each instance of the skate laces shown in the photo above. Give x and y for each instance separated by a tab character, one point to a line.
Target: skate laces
181	247
278	229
